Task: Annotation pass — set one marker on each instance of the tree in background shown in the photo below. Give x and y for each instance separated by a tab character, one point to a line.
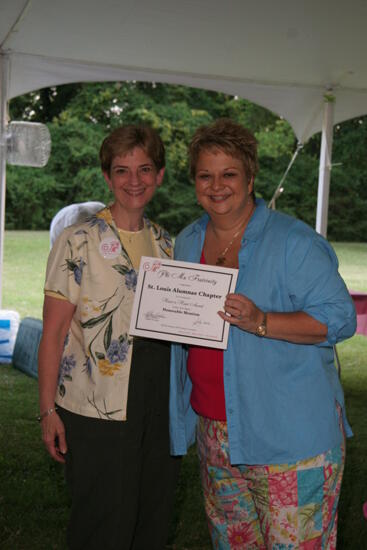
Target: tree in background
80	115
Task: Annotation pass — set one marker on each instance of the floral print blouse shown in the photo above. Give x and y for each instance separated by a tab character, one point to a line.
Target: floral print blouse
89	266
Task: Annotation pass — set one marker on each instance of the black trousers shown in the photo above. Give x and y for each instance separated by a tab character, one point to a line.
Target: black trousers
121	475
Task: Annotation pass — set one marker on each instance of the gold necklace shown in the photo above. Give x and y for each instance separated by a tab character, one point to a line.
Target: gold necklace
222	256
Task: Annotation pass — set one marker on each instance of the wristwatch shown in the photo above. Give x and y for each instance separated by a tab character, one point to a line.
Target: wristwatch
261	329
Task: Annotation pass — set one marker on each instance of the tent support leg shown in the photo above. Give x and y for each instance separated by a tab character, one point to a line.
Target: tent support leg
325	165
4	74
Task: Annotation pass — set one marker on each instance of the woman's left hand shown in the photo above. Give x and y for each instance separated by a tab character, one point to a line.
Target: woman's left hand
242	312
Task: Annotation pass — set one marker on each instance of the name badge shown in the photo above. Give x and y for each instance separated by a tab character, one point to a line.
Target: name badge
110	248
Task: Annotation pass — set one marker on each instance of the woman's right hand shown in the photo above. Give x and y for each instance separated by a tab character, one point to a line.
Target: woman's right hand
57	317
53	436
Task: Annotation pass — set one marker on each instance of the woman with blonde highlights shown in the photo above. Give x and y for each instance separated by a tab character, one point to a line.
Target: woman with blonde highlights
268	412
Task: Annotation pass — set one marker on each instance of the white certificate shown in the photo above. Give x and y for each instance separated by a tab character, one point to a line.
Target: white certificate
179	302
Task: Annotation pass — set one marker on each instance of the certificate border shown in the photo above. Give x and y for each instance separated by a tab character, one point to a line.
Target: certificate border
170	266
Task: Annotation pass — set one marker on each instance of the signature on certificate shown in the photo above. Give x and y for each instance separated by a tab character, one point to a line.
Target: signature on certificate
152	316
201	323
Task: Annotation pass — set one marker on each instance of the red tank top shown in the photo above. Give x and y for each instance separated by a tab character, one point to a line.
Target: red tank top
205	368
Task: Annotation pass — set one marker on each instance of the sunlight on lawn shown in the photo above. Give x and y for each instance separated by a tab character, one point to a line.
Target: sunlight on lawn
26	252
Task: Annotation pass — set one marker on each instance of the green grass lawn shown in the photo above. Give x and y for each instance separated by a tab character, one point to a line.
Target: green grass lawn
33	498
25	257
353	265
352	525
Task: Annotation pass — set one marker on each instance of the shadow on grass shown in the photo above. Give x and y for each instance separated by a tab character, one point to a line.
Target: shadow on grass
34	501
352	532
189	528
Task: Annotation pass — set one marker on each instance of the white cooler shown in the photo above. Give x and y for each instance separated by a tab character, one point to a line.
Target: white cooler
9	324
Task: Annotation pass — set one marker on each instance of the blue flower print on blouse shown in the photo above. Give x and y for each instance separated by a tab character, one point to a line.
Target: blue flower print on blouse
102	225
67	364
88	366
76	267
78	271
117	351
67	338
131	279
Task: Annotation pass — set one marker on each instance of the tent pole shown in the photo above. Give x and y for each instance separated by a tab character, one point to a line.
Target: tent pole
4	68
325	164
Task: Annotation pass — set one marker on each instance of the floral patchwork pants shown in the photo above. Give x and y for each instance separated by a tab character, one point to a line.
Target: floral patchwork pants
276	507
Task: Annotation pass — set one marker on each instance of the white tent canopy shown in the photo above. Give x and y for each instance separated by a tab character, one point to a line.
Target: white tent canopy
282	55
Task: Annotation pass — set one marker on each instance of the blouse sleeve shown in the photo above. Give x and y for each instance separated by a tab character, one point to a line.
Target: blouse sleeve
315	285
65	265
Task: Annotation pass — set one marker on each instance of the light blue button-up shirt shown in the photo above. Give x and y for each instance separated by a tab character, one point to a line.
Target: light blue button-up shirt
280	397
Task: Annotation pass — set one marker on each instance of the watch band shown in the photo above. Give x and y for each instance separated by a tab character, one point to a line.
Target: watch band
262	328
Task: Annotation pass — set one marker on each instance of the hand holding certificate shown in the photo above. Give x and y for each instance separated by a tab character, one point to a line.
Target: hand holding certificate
179	302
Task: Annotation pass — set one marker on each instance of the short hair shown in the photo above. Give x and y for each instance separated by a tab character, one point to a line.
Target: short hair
227	136
125	138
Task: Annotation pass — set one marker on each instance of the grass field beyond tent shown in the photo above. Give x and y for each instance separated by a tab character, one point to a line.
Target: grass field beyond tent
33	499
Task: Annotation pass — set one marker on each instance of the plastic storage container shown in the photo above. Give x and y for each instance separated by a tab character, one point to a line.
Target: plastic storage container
9	324
26	347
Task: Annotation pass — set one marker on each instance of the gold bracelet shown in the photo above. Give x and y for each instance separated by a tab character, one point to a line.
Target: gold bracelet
46	413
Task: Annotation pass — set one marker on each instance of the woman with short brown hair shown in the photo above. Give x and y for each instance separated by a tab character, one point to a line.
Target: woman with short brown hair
103	394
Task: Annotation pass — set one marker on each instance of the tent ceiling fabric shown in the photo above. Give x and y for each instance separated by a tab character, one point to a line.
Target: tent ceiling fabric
282	55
